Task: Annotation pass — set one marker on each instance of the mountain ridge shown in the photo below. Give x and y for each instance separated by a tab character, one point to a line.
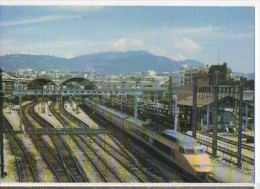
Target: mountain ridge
106	62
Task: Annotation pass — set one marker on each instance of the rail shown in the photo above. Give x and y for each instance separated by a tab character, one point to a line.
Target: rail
63	131
251	148
226	151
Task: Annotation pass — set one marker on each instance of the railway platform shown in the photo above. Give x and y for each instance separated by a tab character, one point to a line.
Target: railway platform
81	115
11	113
47	115
228	173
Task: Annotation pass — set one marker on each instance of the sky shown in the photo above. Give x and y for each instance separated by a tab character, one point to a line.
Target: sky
211	35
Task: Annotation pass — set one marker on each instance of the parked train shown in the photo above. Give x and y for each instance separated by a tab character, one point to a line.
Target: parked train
176	147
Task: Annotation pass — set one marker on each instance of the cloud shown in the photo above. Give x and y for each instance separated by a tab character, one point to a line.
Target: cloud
120	44
177	44
187	31
197	30
177	48
178	57
210	33
185	45
7	46
126	44
79	9
37	20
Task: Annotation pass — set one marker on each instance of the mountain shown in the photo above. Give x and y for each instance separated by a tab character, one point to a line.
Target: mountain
15	62
101	62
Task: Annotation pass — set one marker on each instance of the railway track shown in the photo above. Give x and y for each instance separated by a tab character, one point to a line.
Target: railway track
226	140
136	170
70	117
102	160
59	160
154	165
213	179
97	162
25	164
224	149
126	159
111	160
113	151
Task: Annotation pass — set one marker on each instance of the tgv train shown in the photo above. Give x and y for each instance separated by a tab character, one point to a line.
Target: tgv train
188	154
177	148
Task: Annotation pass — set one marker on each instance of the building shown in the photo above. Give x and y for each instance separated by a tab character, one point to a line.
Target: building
11	81
221	72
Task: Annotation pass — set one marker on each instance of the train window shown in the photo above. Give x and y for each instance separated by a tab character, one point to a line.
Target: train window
192	151
199	151
189	151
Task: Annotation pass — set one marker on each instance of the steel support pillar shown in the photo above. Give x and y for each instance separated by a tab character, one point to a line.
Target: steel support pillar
1	127
170	100
207	121
239	147
136	113
246	124
215	127
175	111
20	113
194	107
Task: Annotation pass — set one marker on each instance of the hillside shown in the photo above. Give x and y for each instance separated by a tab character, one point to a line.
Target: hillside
102	62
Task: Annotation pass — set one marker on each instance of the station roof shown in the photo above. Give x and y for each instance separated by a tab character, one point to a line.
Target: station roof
202	100
39	83
81	81
206	99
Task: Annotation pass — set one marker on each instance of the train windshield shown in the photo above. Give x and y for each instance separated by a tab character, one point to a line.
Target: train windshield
194	151
199	151
189	151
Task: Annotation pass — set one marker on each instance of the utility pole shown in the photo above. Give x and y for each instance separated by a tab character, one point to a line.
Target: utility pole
20	112
194	107
123	84
170	100
135	100
136	113
175	111
215	127
1	126
239	147
246	111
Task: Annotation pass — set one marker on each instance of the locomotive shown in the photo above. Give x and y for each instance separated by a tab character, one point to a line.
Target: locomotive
176	147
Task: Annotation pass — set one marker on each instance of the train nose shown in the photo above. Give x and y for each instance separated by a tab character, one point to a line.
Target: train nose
202	168
200	163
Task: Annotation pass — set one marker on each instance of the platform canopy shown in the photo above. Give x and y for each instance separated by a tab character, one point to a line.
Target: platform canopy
39	83
78	82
